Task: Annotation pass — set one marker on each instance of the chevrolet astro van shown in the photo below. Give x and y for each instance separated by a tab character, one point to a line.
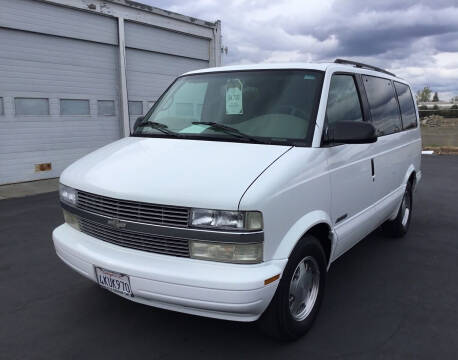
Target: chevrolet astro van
242	184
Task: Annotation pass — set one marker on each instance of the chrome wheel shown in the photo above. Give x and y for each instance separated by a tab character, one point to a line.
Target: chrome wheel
303	288
405	208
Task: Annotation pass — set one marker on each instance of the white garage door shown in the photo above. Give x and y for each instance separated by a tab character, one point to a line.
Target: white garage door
154	58
60	78
58	94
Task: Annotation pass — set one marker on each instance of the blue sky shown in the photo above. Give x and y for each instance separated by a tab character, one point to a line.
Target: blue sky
416	39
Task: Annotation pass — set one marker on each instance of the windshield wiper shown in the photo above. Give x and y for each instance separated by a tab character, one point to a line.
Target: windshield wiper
230	130
159	126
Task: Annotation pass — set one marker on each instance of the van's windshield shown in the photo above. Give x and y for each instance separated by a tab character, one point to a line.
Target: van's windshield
268	106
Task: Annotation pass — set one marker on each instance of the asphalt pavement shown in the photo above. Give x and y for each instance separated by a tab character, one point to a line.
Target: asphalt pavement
385	298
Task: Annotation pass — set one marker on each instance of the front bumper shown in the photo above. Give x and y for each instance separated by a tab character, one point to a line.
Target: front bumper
211	289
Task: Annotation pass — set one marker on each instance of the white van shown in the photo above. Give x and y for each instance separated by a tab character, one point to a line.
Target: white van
240	187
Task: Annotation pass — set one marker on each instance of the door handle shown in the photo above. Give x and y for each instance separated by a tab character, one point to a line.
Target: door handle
373	169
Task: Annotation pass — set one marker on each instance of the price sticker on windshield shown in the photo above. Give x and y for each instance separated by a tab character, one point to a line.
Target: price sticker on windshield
234	97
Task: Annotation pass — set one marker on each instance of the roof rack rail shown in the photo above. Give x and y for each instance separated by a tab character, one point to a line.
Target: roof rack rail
361	65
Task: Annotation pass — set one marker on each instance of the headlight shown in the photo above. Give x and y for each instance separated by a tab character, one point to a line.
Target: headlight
230	220
72	220
232	253
68	195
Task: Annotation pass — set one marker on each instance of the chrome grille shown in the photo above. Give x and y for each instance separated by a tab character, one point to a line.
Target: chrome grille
136	240
133	210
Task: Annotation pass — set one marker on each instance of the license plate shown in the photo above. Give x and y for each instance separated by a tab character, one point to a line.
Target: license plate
113	281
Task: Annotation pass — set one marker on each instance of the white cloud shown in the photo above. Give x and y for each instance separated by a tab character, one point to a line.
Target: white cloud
417	39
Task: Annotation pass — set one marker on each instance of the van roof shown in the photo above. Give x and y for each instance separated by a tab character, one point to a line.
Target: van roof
324	66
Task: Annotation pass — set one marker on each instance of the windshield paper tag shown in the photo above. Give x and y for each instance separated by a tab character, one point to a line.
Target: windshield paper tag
234	90
194	129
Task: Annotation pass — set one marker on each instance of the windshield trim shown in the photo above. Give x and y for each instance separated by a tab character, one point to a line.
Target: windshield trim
307	142
221	139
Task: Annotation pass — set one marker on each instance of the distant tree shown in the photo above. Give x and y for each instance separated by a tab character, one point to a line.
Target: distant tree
422	107
454	107
454	99
424	95
436	97
435	107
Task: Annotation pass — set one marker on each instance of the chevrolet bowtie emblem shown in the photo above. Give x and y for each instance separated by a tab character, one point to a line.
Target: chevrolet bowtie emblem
116	223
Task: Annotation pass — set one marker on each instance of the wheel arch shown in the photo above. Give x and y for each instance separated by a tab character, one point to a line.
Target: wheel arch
410	175
317	223
323	233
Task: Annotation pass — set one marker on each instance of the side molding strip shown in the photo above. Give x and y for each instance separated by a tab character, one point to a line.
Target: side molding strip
340	218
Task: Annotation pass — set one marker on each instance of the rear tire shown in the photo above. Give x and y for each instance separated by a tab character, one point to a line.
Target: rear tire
297	300
400	225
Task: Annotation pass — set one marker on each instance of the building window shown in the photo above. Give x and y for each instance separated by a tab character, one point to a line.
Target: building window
31	106
74	107
135	108
106	107
1	106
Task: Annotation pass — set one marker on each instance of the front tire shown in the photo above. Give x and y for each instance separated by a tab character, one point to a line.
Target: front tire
400	225
297	300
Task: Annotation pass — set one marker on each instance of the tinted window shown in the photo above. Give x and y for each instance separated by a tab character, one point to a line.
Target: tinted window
29	106
74	107
1	106
408	113
135	108
383	105
343	100
106	107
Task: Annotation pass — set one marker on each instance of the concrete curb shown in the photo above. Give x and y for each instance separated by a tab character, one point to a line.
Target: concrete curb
10	191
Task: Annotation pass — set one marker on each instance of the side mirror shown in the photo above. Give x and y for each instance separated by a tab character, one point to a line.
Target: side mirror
351	132
138	122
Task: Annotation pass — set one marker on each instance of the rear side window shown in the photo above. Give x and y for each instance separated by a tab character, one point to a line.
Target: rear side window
383	105
408	113
343	100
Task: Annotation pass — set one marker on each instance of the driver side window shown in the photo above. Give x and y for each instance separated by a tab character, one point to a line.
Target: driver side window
343	100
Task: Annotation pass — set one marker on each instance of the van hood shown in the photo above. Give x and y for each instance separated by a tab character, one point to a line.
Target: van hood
191	173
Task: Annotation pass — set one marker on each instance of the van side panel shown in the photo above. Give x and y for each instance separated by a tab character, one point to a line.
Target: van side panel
293	195
353	193
297	192
397	155
398	147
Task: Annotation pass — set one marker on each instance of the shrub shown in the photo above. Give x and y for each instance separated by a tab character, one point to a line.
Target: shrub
447	113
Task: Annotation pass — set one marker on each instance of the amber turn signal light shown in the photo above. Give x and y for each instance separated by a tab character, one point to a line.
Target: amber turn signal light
272	279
